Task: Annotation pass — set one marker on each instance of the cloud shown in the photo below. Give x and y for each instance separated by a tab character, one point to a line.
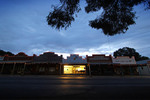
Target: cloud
24	28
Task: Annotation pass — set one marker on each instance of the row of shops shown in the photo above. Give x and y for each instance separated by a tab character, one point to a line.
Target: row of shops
50	63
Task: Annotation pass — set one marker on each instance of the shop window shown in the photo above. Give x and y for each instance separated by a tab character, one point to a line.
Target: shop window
42	69
52	69
74	69
68	69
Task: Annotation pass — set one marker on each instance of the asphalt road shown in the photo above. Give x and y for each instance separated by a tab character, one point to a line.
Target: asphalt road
74	88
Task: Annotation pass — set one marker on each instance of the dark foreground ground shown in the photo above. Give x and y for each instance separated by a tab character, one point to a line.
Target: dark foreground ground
74	88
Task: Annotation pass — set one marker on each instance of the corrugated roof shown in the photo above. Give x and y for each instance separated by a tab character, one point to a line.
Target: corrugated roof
143	61
14	61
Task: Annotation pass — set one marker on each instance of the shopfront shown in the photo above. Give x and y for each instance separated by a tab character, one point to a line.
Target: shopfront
100	64
74	69
74	64
124	65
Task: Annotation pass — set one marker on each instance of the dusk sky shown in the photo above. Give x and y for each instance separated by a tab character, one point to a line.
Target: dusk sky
23	28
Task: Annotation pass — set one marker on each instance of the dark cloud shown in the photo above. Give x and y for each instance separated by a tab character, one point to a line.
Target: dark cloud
24	28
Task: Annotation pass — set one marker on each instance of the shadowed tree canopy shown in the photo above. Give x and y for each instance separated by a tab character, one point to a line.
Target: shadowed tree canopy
116	16
126	51
3	53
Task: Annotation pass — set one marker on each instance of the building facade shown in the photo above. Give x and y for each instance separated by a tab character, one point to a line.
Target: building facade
74	64
15	64
144	67
47	63
44	64
50	63
124	65
100	64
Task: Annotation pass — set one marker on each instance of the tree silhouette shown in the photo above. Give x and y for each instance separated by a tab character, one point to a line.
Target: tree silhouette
126	51
3	53
116	17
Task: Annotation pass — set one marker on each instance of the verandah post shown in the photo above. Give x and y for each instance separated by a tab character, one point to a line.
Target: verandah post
13	69
89	69
2	68
60	69
23	68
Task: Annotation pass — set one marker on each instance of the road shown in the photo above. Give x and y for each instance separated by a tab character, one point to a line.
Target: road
74	88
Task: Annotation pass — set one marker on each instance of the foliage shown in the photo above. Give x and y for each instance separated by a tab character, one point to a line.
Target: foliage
3	53
116	17
62	16
126	51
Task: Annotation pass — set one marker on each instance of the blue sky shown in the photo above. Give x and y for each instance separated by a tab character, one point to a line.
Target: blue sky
23	28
